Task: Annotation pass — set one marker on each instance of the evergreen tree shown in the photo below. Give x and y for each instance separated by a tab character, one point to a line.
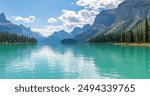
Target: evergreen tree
138	35
131	36
123	37
146	31
6	37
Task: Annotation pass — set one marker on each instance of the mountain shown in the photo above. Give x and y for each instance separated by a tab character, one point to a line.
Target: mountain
3	18
8	26
58	36
85	35
79	30
28	32
105	19
128	15
76	31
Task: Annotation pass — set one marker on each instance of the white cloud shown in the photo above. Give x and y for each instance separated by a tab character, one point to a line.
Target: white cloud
96	4
72	19
29	19
48	30
52	20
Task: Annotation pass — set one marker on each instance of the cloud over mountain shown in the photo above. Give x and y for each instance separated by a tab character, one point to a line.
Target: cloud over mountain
52	20
29	19
48	30
72	19
96	4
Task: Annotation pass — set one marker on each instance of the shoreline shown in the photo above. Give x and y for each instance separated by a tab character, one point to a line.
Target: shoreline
17	43
133	44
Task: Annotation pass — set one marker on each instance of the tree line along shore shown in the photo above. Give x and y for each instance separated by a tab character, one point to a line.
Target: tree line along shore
13	38
138	36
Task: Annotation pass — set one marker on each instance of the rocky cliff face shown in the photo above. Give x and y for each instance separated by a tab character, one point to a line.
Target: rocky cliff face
135	1
129	14
105	19
132	10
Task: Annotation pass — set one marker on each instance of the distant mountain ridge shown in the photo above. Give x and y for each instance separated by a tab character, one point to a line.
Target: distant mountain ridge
60	35
57	36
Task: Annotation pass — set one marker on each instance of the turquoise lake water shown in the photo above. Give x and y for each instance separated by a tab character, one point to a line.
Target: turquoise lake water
80	61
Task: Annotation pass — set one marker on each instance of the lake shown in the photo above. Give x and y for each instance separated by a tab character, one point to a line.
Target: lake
79	61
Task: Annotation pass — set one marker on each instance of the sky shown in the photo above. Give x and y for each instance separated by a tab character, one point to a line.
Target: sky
48	16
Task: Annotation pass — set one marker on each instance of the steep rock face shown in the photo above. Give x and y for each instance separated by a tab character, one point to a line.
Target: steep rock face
135	1
102	21
7	26
128	14
131	10
105	19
